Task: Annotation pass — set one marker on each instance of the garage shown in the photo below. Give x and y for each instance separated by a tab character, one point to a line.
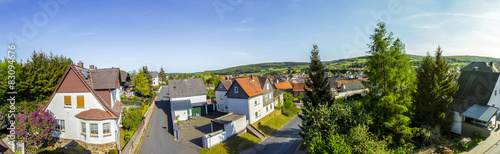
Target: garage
196	110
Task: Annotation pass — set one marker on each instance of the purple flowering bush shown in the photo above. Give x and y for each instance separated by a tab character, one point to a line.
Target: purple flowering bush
34	128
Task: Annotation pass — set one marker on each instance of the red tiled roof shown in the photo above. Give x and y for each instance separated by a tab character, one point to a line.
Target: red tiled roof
283	85
94	114
299	87
251	87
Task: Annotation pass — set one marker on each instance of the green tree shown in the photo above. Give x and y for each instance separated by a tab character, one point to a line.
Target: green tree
185	76
318	95
142	84
334	144
163	76
434	89
147	74
390	88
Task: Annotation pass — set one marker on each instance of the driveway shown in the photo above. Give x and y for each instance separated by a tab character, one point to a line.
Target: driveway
284	140
195	128
158	138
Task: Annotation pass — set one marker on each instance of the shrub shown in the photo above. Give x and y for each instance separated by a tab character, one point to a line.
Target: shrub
113	151
79	148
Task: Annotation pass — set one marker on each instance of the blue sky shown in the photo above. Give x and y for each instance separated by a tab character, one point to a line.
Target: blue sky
199	35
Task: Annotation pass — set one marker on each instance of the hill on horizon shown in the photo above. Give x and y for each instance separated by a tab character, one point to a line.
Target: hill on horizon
356	62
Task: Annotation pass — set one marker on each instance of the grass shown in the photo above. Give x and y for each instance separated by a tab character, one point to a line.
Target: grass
122	141
233	145
271	123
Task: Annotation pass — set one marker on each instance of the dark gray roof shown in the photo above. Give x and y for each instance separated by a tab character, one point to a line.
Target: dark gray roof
181	105
154	74
228	118
186	87
474	87
482	66
480	112
124	77
353	86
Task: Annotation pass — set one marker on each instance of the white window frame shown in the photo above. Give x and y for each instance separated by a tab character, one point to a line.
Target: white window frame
235	89
104	128
83	128
96	127
60	124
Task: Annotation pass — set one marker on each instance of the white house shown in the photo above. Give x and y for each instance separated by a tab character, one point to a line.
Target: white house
476	102
156	79
192	90
247	96
220	95
87	108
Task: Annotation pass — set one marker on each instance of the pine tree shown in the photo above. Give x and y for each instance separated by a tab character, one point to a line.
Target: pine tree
162	75
434	89
147	74
390	87
317	96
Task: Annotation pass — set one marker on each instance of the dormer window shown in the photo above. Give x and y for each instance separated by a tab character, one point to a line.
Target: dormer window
235	89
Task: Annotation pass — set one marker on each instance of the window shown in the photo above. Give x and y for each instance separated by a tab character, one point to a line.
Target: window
235	89
256	115
67	101
271	107
495	92
220	85
79	102
267	108
84	128
60	124
93	129
255	102
105	128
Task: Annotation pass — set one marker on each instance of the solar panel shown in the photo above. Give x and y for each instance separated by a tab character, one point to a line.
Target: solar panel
83	74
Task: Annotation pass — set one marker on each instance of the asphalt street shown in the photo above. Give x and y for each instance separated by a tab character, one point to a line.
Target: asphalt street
158	138
285	140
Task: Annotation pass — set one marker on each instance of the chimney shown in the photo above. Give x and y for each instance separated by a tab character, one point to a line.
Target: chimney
491	64
251	76
80	64
91	67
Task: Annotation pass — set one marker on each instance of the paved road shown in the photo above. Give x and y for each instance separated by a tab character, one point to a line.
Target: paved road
285	140
159	138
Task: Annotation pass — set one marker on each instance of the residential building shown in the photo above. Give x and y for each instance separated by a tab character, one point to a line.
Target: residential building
220	95
475	104
86	106
284	87
299	88
192	90
249	96
156	79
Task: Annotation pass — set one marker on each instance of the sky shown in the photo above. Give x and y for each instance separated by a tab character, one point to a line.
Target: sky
199	35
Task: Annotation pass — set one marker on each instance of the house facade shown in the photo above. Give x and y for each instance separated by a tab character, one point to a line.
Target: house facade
192	90
156	79
478	94
87	108
220	95
248	96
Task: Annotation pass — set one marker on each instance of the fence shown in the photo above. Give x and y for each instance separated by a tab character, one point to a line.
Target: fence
212	139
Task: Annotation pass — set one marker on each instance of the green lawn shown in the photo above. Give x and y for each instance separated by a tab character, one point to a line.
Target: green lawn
233	145
275	123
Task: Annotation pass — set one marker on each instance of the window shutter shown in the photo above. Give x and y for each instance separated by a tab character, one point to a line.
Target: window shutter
80	101
67	100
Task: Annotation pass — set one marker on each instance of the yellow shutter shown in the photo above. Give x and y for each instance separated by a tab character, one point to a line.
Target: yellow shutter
79	101
67	100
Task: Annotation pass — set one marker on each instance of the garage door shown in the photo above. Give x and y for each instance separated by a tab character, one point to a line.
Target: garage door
210	108
203	110
196	110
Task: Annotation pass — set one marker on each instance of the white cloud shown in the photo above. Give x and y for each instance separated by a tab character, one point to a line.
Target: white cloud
489	17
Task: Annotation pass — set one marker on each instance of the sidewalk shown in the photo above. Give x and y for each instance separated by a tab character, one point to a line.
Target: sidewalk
487	144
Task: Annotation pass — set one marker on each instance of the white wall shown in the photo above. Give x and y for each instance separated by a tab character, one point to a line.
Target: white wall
194	99
73	124
237	105
235	127
495	99
183	116
456	126
156	82
210	141
221	98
